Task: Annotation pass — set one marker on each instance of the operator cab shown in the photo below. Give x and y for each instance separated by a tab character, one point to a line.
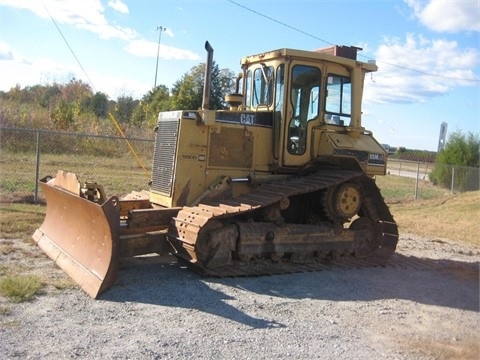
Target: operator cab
305	90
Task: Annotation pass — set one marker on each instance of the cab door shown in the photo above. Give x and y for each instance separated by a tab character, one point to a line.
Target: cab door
302	112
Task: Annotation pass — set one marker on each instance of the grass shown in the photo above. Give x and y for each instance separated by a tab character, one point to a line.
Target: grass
18	279
454	217
119	175
20	288
436	212
19	221
402	189
396	165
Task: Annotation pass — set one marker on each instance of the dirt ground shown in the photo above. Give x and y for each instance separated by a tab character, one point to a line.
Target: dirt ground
423	305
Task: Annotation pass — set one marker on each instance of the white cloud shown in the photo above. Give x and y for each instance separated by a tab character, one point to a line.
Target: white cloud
7	53
447	16
169	32
439	65
89	15
15	69
106	31
86	14
144	48
115	86
119	6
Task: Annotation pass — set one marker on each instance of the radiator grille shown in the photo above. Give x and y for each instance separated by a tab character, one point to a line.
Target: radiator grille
164	156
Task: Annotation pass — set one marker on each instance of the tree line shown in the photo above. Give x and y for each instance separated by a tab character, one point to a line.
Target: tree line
75	107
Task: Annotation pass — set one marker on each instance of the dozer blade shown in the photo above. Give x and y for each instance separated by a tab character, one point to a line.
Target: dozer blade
79	235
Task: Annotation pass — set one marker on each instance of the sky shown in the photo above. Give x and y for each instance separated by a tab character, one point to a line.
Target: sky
427	51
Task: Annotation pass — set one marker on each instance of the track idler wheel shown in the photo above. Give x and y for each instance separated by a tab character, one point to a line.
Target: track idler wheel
342	202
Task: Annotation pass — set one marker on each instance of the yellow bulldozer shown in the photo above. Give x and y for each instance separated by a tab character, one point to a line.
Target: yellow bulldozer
283	180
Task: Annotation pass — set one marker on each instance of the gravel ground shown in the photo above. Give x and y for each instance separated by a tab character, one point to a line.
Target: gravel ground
423	305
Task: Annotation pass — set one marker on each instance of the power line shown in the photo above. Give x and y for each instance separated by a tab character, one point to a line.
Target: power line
280	22
422	72
112	118
71	50
329	43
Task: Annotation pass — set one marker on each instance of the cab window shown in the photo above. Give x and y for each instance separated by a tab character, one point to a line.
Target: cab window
338	103
304	100
277	117
262	86
248	89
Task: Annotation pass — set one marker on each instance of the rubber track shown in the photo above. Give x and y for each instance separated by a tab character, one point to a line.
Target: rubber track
190	220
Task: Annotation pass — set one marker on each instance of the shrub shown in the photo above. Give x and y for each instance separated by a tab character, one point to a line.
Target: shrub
20	288
460	152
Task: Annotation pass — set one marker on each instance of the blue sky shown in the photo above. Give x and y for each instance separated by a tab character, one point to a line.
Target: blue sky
428	51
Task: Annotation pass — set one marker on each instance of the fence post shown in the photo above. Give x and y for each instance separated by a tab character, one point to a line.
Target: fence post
453	180
37	168
416	180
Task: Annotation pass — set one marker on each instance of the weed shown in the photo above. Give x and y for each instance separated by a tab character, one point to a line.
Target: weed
6	248
63	284
29	241
20	288
5	310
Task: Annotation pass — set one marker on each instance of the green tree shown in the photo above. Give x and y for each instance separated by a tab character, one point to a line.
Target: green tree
124	108
20	95
187	93
64	114
152	103
222	85
47	96
462	152
97	104
76	90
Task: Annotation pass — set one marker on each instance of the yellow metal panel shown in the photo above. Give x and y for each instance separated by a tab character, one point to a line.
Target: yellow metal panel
232	148
341	140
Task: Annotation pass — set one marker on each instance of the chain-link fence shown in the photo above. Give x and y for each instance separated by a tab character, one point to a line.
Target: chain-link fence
119	164
123	165
427	180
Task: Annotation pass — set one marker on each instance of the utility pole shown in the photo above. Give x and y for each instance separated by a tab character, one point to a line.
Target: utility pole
161	28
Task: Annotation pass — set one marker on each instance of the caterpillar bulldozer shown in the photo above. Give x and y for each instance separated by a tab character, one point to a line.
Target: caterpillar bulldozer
282	180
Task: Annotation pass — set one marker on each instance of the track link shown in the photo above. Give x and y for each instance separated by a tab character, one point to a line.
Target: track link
187	226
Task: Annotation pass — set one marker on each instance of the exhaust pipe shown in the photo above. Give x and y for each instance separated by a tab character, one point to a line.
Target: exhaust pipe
208	77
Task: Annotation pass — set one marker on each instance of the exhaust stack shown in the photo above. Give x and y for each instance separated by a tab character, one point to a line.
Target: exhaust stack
208	77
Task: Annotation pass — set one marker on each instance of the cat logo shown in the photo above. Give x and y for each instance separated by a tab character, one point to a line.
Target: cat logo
247	119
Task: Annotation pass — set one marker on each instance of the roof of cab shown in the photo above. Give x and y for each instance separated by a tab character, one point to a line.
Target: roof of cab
345	55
